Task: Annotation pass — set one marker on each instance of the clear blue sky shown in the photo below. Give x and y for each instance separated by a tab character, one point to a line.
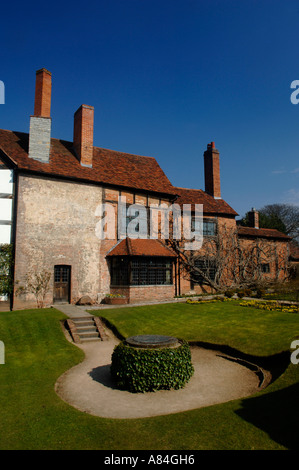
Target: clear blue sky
167	77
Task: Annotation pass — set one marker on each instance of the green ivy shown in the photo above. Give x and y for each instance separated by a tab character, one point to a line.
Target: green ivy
6	263
148	370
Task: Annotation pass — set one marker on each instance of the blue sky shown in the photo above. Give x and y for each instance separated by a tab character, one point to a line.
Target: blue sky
166	78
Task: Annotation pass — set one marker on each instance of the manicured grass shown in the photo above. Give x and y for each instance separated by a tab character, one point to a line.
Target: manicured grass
32	416
247	329
289	296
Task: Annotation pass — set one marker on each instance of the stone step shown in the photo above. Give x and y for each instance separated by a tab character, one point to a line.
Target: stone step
87	318
90	339
89	334
83	320
85	324
86	329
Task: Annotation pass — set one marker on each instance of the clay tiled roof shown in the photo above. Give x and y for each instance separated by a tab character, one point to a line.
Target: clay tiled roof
210	205
110	167
261	233
141	247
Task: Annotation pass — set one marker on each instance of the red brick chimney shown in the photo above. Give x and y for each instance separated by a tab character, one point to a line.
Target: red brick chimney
40	122
253	218
43	86
83	134
212	171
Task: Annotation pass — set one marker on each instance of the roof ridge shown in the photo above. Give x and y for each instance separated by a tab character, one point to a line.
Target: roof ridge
189	189
262	230
123	153
129	246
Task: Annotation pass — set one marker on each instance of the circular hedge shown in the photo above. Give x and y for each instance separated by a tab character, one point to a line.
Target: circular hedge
147	370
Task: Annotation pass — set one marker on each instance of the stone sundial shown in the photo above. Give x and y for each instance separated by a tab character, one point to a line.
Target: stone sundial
153	341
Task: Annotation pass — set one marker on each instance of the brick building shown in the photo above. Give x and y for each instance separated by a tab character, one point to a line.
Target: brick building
58	190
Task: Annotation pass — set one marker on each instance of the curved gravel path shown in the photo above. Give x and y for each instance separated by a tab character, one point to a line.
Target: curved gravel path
216	379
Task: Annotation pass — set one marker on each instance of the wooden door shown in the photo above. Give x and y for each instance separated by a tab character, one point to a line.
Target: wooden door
62	283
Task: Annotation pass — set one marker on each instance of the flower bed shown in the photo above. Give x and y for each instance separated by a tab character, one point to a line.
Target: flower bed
268	305
115	299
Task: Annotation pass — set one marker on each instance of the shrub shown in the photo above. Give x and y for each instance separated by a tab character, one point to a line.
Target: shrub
37	283
146	370
229	293
247	292
240	294
115	296
6	265
260	293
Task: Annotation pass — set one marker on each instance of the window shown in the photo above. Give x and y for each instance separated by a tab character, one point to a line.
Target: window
135	213
208	227
119	271
141	271
151	271
208	266
265	268
61	274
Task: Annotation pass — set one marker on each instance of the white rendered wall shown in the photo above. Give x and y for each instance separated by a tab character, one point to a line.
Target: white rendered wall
6	191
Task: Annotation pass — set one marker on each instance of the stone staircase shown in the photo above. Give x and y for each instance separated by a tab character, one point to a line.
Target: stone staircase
85	329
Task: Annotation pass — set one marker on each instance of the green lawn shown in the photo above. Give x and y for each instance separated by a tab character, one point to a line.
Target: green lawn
249	330
289	296
32	416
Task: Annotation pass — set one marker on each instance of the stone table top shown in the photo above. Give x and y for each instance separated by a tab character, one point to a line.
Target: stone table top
152	341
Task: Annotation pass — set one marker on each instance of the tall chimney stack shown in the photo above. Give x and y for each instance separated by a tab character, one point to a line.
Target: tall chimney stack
42	104
212	171
40	122
253	218
83	134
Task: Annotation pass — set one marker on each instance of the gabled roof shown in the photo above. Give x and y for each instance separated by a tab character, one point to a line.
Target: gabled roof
210	205
141	247
261	233
109	167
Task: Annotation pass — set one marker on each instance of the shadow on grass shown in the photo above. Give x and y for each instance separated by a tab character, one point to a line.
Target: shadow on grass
276	413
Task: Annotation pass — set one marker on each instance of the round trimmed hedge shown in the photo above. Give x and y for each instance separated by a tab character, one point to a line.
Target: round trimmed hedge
147	370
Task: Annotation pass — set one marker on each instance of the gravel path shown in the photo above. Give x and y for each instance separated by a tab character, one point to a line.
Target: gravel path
88	386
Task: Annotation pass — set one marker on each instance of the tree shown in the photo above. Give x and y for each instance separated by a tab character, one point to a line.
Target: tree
287	213
266	220
36	283
6	265
226	261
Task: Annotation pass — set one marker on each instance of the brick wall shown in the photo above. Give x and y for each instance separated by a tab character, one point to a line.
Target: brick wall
212	171
137	294
43	88
83	134
56	225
